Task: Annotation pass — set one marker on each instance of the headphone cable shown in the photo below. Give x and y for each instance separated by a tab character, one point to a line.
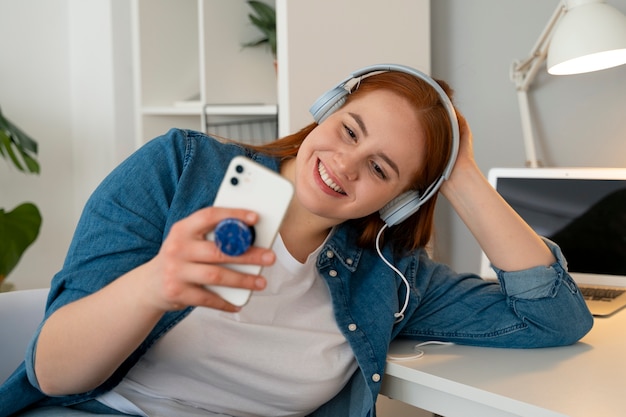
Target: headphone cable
399	315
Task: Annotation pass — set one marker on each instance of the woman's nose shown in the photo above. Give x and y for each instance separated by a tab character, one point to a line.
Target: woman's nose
347	164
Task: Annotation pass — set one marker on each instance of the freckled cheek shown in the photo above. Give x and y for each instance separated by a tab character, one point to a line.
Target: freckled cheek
305	182
371	199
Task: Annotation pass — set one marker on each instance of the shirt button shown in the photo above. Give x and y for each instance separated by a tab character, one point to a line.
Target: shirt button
329	254
352	327
349	261
332	273
376	377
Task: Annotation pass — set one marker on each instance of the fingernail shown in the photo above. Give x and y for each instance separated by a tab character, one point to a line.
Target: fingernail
267	257
259	283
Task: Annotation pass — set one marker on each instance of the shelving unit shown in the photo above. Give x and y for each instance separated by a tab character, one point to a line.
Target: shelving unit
192	72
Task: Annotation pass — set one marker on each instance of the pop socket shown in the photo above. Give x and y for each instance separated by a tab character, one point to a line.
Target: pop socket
233	237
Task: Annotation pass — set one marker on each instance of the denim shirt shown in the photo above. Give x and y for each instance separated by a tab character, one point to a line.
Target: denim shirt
129	215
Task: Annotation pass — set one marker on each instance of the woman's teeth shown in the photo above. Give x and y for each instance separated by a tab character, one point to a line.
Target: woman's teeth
326	178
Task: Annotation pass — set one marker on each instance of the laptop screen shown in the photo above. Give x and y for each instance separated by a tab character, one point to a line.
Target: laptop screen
583	210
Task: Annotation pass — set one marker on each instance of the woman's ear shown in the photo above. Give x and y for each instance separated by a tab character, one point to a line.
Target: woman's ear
401	208
328	103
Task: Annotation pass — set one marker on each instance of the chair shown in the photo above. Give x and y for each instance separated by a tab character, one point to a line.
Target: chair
20	314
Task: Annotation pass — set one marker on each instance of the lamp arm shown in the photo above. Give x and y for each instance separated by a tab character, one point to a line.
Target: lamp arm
527	129
523	74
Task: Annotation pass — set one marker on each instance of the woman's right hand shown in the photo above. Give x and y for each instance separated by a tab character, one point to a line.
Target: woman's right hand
84	342
187	262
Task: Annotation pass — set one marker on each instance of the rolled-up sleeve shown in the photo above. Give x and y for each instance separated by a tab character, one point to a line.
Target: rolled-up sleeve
548	300
536	307
537	282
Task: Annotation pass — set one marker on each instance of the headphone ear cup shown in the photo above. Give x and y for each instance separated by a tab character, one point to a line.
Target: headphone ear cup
400	208
328	103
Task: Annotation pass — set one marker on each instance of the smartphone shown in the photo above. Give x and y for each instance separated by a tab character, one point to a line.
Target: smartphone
252	186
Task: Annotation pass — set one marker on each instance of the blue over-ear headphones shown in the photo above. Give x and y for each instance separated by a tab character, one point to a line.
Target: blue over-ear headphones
408	203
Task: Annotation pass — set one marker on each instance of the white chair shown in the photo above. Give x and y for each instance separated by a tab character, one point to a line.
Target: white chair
20	314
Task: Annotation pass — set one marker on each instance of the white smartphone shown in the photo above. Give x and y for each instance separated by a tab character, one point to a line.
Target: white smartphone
252	186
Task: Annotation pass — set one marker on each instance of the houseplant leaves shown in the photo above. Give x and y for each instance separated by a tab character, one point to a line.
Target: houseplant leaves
19	229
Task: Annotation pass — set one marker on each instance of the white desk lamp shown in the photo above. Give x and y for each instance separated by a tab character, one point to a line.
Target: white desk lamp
582	36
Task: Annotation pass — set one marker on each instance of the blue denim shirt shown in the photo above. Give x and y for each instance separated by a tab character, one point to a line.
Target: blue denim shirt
131	212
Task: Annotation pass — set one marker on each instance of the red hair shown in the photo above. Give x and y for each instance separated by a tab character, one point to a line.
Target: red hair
415	231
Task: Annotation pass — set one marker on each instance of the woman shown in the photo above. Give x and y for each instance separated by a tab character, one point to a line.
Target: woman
122	335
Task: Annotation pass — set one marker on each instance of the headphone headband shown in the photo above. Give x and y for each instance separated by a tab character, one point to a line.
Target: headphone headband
408	203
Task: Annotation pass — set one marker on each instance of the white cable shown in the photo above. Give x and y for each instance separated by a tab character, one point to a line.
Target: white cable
399	315
418	352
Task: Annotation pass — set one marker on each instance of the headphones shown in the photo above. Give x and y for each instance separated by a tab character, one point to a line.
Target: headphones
408	203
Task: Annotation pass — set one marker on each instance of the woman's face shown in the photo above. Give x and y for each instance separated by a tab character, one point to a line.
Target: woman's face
360	158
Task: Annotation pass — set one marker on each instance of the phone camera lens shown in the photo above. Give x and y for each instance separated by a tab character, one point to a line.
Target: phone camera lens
234	181
239	168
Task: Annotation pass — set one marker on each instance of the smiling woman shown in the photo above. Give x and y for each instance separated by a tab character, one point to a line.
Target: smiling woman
405	96
347	273
371	166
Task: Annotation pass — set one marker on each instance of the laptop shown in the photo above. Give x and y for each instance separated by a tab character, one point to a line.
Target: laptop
583	210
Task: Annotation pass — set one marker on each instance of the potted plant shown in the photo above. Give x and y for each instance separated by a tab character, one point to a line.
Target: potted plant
264	18
19	227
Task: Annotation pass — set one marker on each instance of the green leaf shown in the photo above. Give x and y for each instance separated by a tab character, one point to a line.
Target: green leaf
31	164
6	148
18	230
266	13
18	147
265	20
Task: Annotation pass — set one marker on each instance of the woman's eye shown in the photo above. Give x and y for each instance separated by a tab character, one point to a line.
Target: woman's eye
378	171
349	132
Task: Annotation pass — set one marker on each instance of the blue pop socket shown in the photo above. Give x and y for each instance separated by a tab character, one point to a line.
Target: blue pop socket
233	237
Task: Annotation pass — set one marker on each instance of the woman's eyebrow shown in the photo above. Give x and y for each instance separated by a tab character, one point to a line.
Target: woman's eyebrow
390	162
359	121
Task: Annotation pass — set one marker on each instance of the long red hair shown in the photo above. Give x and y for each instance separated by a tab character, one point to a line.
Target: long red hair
415	231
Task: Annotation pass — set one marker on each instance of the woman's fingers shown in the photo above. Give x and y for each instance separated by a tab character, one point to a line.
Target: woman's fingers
201	222
188	262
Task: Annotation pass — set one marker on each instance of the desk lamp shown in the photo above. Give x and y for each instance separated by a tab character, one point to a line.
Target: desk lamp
582	36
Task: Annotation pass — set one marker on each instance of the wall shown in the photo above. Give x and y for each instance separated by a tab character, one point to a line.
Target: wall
579	118
64	80
320	48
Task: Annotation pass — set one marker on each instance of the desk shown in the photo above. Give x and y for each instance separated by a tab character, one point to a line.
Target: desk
587	379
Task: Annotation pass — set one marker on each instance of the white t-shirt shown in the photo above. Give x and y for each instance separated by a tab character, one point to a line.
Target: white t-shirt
282	355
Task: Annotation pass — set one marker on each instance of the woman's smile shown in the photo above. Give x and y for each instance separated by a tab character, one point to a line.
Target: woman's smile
327	180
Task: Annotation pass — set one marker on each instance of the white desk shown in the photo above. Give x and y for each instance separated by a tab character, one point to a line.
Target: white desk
587	379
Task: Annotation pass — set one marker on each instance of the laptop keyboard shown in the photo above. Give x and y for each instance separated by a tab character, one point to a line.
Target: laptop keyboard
600	294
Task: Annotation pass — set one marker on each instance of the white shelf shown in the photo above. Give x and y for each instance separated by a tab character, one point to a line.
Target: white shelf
172	111
243	109
196	109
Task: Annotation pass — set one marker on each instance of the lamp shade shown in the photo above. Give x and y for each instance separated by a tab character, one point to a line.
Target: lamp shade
591	36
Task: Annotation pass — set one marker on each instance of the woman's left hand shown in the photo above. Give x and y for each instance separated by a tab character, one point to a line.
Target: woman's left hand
510	244
465	158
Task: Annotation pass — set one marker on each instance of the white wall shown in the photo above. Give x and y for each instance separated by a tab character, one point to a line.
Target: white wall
579	118
321	47
62	80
